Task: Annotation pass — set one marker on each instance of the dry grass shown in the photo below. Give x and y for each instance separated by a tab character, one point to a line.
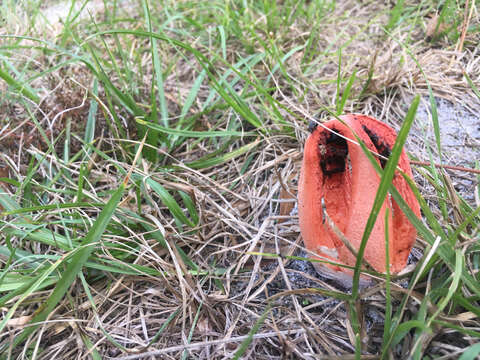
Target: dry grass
154	293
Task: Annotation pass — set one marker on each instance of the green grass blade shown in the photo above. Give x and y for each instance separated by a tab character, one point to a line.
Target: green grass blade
228	94
163	327
68	140
444	251
192	95
92	116
190	205
24	292
385	183
75	265
246	343
346	93
203	164
388	295
241	67
471	353
395	14
161	240
339	80
22	88
190	334
459	328
406	327
472	84
157	80
100	325
192	134
125	99
223	41
354	317
433	102
169	202
459	267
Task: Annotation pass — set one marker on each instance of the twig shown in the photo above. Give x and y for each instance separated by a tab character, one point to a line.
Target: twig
466	21
450	167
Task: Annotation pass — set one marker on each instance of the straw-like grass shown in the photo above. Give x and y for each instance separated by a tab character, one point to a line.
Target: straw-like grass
150	153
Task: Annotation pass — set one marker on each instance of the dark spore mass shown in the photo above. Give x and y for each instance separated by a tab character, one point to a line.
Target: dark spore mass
382	148
334	138
333	161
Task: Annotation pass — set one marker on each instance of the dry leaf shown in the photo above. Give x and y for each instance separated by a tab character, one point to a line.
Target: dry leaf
288	203
19	321
434	28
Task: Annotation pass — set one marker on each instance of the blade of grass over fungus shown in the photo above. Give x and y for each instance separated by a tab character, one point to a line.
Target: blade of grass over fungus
388	295
382	191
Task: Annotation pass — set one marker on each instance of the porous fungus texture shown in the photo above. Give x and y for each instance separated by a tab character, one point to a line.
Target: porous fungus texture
339	180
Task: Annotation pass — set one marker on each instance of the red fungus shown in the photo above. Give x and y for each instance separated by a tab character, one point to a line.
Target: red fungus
338	181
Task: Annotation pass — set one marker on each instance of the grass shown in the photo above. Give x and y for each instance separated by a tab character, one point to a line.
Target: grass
147	145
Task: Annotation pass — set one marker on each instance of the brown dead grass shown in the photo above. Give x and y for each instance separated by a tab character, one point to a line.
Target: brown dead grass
236	221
